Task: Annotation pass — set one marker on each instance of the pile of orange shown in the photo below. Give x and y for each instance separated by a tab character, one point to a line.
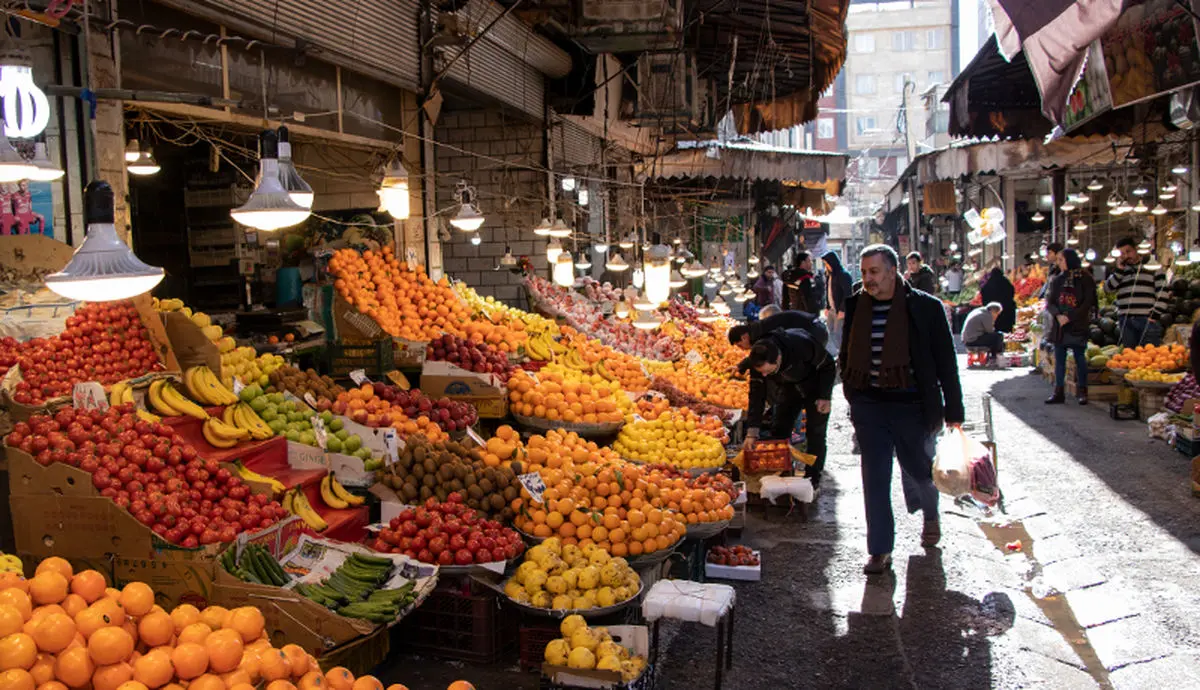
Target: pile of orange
61	630
557	399
652	408
1153	357
625	368
722	392
716	350
503	448
611	507
380	412
693	505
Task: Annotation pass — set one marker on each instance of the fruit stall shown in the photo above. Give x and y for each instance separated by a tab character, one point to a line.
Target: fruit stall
458	479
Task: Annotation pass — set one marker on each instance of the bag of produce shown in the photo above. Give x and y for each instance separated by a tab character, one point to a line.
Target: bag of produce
962	465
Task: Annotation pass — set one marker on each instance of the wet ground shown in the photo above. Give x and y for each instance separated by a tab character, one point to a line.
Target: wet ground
1104	591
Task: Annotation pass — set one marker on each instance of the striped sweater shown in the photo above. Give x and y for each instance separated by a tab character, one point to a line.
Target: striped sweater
1139	291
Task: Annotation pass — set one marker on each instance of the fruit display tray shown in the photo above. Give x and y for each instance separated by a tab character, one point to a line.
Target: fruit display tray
704	530
586	613
584	430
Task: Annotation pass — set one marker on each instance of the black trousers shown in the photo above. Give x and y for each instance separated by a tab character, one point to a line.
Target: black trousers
994	341
788	405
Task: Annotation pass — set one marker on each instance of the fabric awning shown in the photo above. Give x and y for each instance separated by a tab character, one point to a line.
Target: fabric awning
749	161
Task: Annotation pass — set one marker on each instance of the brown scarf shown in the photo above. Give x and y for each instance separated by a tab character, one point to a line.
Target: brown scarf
893	372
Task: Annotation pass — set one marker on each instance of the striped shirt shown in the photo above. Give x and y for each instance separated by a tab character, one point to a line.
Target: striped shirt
879	318
1139	291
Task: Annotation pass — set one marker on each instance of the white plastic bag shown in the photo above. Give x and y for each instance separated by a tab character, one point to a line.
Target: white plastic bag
952	462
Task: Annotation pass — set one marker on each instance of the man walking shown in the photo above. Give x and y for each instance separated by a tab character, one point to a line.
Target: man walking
801	285
919	275
900	377
1138	292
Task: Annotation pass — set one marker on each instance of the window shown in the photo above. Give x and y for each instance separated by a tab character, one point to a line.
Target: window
898	86
871	167
825	128
865	124
937	76
864	43
935	39
903	41
864	84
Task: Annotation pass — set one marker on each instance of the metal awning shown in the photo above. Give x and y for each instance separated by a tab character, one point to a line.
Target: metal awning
995	97
748	161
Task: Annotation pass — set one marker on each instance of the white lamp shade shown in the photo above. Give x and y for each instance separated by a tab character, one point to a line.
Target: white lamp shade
564	270
616	263
295	185
13	167
542	229
676	280
468	218
394	199
560	229
553	250
104	268
269	207
144	164
639	278
693	270
44	169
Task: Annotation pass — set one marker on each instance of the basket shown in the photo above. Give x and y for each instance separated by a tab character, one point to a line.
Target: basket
460	626
375	358
768	456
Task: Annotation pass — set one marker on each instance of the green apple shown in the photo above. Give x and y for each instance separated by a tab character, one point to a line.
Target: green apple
308	438
362	454
336	424
353	443
293	435
333	444
327	417
259	404
277	425
342	434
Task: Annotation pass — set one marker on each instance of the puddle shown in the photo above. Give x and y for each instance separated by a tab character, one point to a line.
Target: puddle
1052	604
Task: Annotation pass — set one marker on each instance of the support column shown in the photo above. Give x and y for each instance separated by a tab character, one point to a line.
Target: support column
1058	190
1009	190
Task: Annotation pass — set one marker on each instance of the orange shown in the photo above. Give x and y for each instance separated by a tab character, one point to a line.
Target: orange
52	685
248	621
249	664
297	657
55	564
208	681
460	685
17	650
90	620
110	645
235	677
110	608
224	649
132	685
313	680
339	678
74	667
274	665
11	620
19	600
242	686
367	683
155	629
89	584
184	615
48	587
397	686
190	660
276	685
13	580
16	679
42	669
73	605
112	676
153	669
214	616
54	632
196	632
137	598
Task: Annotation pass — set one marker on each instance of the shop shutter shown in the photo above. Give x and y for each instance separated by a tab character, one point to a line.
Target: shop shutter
574	146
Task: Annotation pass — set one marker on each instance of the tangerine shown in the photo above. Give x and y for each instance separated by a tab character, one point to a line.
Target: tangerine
274	665
155	629
16	679
54	632
297	657
153	669
17	650
112	676
183	616
19	600
248	621
313	680
137	598
367	683
110	645
55	564
13	580
208	681
280	684
74	667
339	678
52	685
214	616
196	632
132	685
48	587
11	620
190	660
42	669
224	649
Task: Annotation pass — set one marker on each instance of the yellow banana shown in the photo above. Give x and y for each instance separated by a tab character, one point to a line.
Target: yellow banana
158	402
208	379
176	400
227	416
305	510
331	499
288	502
214	439
147	416
250	475
116	394
127	395
340	492
227	430
246	418
193	389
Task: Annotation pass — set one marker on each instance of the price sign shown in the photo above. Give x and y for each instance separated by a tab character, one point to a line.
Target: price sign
359	376
238	386
410	257
319	432
312	401
693	357
474	436
391	446
638	418
534	485
89	396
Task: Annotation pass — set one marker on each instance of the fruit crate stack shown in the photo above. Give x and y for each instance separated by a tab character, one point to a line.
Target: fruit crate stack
463	624
1150	403
374	357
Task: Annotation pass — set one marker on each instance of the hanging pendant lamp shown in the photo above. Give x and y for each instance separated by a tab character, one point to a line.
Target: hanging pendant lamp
295	185
393	191
104	268
144	165
468	218
45	170
269	207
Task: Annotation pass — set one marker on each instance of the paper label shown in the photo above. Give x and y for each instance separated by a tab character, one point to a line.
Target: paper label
308	398
391	446
638	418
359	376
89	395
693	357
319	432
474	436
410	257
238	386
534	485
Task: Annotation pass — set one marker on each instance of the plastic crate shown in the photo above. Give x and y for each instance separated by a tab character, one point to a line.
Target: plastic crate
768	456
534	639
459	626
375	358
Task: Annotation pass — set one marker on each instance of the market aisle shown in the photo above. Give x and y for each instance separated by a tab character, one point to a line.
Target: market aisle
1111	521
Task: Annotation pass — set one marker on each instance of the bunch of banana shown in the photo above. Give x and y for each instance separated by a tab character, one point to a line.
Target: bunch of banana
170	403
168	304
10	564
335	495
249	475
538	349
222	435
573	360
121	393
296	503
203	385
600	369
243	416
147	416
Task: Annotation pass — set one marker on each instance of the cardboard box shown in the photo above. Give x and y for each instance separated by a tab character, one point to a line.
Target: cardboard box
192	348
410	354
748	573
351	324
635	638
484	391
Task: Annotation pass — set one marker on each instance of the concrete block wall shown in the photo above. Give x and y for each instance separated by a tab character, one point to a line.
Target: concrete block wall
511	194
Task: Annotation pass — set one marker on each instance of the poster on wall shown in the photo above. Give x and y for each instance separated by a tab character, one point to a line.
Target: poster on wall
1151	50
26	208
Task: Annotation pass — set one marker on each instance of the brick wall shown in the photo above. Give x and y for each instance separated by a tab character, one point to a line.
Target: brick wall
510	195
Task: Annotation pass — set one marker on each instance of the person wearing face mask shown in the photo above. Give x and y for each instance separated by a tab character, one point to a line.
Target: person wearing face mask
900	376
796	367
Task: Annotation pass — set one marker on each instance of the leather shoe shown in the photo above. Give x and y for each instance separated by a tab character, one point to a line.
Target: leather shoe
878	565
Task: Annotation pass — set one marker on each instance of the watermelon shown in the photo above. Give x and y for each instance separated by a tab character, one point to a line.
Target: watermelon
1180	287
1096	335
1108	325
1195	289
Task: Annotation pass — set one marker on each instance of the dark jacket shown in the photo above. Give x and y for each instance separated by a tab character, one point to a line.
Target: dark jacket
1050	274
1080	317
839	282
805	370
931	353
924	280
998	289
801	288
783	321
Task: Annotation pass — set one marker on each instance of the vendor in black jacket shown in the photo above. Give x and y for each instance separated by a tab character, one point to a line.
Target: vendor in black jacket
744	335
802	373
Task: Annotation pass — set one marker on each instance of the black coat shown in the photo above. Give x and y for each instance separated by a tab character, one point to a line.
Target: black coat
931	354
998	289
839	281
801	288
924	280
805	369
1080	317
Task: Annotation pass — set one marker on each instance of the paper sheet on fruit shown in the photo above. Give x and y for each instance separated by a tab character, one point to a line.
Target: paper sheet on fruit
315	559
688	601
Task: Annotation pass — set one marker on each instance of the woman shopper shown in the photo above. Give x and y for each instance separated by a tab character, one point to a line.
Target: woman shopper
998	288
838	286
1070	300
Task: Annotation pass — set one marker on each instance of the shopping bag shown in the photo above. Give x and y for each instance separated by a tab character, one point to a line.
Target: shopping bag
963	465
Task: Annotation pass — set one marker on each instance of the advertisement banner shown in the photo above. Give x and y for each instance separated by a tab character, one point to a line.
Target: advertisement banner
1091	96
1152	50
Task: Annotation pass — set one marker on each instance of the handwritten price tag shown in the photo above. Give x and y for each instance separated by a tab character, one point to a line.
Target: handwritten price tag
410	257
312	401
238	386
89	396
391	446
319	432
534	485
359	376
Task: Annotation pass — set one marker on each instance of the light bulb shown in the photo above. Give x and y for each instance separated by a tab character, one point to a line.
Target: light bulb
568	184
1180	169
638	278
1114	200
1095	185
560	229
1115	252
45	170
725	290
1166	196
752	260
616	263
132	150
1159	209
542	229
394	193
628	242
752	273
144	165
468	218
1073	241
553	249
621	310
1140	190
954	246
583	263
26	108
600	247
583	197
1090	255
269	207
476	239
693	270
1068	206
1037	217
564	270
1080	226
1141	207
1168	187
1153	265
1110	260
